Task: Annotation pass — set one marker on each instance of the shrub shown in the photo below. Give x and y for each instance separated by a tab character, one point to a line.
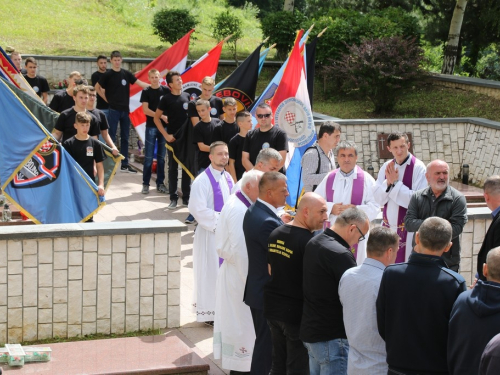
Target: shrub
227	23
281	28
172	24
380	69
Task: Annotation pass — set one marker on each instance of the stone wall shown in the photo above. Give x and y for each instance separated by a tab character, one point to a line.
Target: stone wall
471	141
79	279
481	86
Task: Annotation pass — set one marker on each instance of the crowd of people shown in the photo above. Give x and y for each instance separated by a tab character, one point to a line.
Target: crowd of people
319	290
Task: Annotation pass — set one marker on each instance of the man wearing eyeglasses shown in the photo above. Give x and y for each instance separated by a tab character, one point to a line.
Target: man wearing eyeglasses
349	186
265	136
326	258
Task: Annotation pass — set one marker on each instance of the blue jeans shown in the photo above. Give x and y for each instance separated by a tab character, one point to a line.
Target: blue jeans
153	135
115	117
106	112
328	357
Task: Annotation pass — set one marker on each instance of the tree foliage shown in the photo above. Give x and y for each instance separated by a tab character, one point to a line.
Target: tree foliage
172	24
380	69
281	28
226	23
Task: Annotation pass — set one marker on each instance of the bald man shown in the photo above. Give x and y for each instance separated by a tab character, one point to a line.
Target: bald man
475	319
441	200
283	293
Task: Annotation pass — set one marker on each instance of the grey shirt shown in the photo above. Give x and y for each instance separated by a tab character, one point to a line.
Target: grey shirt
310	163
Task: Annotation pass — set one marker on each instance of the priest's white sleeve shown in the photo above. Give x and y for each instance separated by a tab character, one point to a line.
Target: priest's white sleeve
369	206
380	187
321	190
401	194
201	203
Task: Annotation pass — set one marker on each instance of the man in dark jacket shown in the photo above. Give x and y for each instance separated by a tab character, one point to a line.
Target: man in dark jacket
475	319
415	301
492	237
441	200
490	360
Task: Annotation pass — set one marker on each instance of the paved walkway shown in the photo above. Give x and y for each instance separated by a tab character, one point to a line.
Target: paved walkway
125	202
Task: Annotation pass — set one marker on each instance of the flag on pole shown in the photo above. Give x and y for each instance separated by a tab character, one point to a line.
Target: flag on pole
242	83
37	173
292	113
269	91
206	65
9	72
174	58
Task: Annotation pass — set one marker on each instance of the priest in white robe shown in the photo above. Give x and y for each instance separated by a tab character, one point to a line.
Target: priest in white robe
349	186
234	333
397	180
210	190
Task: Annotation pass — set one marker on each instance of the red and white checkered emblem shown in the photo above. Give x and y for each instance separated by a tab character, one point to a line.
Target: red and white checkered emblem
290	117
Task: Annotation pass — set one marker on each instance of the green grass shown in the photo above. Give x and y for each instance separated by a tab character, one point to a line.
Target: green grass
92	27
426	101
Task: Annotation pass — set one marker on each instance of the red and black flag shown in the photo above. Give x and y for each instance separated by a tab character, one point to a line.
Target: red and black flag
242	83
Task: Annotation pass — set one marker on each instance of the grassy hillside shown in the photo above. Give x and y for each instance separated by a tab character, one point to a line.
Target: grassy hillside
92	27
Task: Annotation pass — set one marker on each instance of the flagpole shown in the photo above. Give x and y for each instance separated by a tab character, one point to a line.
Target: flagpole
322	32
265	40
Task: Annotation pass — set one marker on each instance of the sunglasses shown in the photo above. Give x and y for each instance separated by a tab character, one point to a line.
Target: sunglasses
267	115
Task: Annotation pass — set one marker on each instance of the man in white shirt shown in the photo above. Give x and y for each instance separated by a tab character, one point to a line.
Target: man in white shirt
210	190
233	325
349	186
358	291
397	180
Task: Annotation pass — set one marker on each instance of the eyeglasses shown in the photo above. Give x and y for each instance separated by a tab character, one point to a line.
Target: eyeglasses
362	238
266	115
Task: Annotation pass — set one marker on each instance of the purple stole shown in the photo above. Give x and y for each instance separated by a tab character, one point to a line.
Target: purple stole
243	199
218	198
358	187
402	233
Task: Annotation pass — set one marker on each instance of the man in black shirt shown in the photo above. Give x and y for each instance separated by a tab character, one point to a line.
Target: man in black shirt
229	127
17	59
150	97
216	110
235	146
116	83
283	296
38	83
172	109
326	258
64	128
205	133
102	67
266	136
63	99
101	119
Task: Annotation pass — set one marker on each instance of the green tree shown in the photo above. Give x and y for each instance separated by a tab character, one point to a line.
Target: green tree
225	24
172	24
281	28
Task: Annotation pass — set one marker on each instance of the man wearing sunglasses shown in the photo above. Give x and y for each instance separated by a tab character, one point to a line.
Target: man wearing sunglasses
326	258
265	136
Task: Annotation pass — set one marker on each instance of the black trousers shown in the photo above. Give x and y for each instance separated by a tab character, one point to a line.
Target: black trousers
290	356
172	179
262	352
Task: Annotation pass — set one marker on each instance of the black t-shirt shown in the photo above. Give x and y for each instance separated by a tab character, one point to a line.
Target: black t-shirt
39	84
215	107
175	107
228	131
101	103
66	124
257	140
117	86
102	121
85	153
152	97
283	297
207	133
326	258
235	147
61	101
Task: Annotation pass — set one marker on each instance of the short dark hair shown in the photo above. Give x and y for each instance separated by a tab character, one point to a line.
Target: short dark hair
102	57
170	76
264	106
395	136
216	144
115	54
492	185
435	233
29	60
83	118
242	114
328	127
82	88
380	240
270	178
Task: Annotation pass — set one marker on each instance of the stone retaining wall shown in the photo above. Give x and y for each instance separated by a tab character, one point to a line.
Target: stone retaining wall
481	86
79	279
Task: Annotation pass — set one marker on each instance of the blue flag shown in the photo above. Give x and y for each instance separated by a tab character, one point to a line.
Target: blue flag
37	173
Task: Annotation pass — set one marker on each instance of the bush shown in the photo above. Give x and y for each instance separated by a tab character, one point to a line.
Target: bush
380	69
281	28
172	24
227	23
